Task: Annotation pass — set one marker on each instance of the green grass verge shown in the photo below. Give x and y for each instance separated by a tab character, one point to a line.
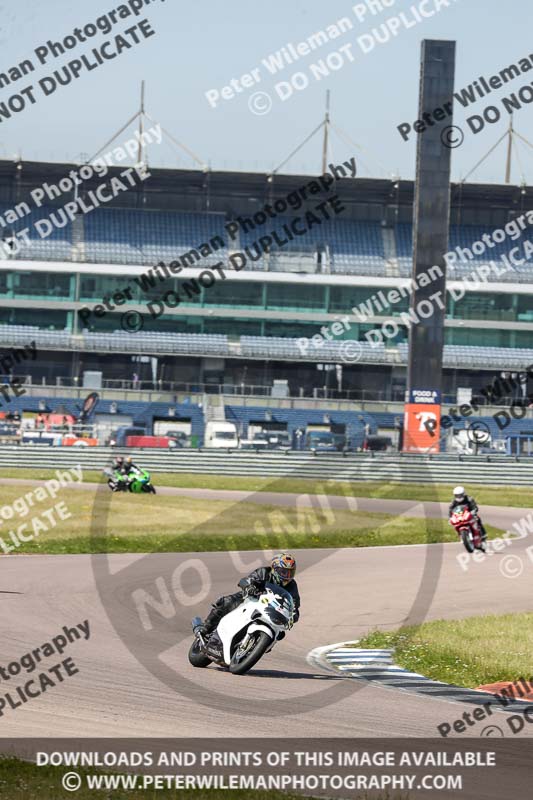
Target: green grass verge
413	534
21	780
125	523
468	652
165	523
487	495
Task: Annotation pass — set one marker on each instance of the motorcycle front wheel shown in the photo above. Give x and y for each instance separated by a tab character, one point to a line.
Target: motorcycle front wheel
244	660
196	657
466	536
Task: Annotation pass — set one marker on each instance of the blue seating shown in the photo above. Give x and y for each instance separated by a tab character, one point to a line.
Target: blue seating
293	419
141	413
463	236
55	243
355	247
120	236
142	237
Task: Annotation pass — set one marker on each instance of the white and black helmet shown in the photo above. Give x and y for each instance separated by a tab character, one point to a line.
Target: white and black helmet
459	493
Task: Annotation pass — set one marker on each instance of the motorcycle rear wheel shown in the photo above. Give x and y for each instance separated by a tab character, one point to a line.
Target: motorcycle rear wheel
240	665
196	657
467	541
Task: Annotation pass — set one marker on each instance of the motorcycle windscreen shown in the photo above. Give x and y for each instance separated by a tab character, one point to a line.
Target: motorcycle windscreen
283	596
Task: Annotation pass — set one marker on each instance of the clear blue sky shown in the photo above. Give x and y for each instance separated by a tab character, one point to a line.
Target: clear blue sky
203	45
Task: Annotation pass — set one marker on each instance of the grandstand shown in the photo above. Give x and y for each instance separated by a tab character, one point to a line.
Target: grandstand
245	329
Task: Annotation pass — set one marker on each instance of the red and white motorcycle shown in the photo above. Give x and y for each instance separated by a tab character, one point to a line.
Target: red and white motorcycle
468	527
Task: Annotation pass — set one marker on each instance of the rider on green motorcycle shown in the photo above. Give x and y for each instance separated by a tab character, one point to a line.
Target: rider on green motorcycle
126	469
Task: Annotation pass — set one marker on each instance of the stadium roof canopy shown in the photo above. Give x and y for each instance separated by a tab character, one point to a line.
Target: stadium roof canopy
235	192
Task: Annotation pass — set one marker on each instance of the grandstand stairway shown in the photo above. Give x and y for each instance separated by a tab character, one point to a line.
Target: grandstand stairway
213	407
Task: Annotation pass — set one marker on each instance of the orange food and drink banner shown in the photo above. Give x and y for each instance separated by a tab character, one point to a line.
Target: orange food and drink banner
422	422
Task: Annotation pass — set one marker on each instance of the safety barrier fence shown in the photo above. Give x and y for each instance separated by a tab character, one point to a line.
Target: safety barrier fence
488	470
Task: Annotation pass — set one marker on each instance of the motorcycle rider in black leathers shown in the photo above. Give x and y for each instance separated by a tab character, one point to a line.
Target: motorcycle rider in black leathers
460	498
124	466
281	571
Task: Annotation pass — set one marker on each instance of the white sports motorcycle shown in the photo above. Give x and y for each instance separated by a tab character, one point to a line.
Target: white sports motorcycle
245	634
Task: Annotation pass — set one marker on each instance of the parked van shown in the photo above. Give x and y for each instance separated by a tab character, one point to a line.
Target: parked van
119	436
219	433
320	441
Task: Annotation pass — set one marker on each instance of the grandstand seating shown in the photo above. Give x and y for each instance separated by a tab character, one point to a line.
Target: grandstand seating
153	341
288	306
144	237
56	244
299	247
356	247
117	341
462	236
404	248
468	355
120	236
293	419
353	247
262	347
20	335
280	347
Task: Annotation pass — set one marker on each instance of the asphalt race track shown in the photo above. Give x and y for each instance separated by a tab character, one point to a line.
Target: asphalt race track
345	593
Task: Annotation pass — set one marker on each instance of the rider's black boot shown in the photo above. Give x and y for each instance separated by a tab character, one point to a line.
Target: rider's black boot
212	620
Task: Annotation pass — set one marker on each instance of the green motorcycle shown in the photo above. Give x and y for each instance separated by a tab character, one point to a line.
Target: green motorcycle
137	481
